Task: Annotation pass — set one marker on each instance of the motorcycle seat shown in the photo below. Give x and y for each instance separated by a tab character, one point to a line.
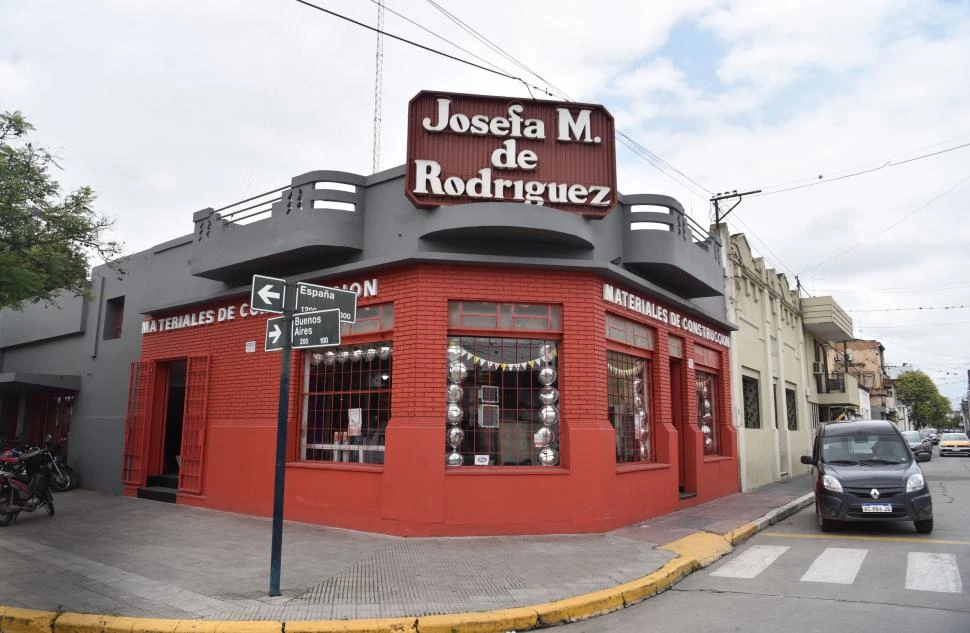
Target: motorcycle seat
9	459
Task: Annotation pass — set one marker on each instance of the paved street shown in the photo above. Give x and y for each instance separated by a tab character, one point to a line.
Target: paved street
791	577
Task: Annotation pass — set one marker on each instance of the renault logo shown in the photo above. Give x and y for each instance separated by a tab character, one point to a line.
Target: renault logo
874	493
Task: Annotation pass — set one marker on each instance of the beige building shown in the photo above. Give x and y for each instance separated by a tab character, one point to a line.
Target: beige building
782	386
866	362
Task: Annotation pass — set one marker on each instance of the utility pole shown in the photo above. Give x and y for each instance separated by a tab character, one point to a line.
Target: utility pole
727	195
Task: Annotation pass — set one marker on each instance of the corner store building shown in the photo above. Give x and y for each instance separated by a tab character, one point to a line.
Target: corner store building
617	308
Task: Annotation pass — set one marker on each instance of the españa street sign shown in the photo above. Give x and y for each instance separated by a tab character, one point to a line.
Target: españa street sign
274	334
316	329
313	298
267	294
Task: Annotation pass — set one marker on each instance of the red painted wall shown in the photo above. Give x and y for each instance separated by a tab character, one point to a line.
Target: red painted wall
413	493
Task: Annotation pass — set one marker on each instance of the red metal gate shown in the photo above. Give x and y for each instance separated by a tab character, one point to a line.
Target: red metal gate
140	385
193	425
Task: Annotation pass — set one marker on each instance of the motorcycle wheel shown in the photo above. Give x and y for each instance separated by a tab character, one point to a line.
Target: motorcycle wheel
50	503
7	513
65	481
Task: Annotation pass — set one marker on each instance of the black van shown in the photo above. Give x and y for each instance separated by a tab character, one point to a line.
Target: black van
866	472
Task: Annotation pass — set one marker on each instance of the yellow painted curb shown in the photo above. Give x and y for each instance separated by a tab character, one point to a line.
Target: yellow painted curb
703	547
652	584
374	625
26	620
499	621
85	623
248	626
579	607
746	531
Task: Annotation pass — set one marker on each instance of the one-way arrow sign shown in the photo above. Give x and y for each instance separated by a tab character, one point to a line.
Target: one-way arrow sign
267	294
274	334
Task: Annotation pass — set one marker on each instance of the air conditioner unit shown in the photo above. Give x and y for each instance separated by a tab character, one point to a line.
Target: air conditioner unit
488	394
488	416
816	368
848	356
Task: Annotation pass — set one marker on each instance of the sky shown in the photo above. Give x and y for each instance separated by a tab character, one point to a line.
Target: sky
165	107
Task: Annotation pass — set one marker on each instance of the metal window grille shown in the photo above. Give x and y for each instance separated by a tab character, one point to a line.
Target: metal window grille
752	402
628	391
194	425
514	317
629	332
141	382
706	385
370	320
792	409
506	370
347	403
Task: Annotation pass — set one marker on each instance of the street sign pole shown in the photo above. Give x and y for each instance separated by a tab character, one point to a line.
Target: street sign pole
276	548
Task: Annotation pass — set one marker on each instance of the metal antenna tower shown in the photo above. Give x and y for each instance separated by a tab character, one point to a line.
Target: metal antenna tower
378	86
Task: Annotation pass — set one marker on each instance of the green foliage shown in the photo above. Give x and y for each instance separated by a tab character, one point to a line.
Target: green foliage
46	239
917	390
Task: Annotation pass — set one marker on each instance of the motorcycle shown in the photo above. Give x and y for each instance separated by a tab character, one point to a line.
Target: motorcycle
62	476
25	483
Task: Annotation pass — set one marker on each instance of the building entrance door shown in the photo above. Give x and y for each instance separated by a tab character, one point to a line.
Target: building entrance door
174	415
677	409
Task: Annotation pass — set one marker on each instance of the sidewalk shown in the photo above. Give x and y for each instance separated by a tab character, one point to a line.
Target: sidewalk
118	556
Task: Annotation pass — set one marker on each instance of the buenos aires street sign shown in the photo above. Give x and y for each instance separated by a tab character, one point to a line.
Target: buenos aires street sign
316	329
313	298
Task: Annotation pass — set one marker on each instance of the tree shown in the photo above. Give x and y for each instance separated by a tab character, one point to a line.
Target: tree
917	390
46	239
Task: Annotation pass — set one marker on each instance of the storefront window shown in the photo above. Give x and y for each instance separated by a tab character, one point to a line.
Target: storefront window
502	402
347	403
629	332
707	411
628	399
502	391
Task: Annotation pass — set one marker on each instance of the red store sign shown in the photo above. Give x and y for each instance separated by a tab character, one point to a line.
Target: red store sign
471	148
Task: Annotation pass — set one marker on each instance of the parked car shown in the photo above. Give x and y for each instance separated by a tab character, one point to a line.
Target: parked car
932	435
917	443
954	444
865	471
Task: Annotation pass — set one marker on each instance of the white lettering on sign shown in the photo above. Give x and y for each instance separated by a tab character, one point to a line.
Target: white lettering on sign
571	127
317	292
647	308
366	288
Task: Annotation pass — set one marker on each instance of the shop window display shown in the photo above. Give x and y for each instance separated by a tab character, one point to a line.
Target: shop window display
707	410
502	402
628	399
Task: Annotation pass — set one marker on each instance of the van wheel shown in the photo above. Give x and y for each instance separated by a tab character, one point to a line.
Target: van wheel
924	527
826	525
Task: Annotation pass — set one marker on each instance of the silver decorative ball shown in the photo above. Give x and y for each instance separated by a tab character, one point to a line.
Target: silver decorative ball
457	372
455	393
548	457
455	436
549	415
370	354
644	451
455	459
645	435
547	353
547	375
544	437
454	352
637	383
708	442
384	351
640	413
343	356
329	357
357	355
548	395
316	358
454	414
706	430
637	401
707	406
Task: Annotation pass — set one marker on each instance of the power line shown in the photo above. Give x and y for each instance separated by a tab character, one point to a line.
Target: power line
887	327
893	225
820	180
904	289
960	307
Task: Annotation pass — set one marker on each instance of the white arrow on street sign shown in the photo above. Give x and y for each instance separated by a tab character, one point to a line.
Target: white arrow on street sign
267	294
274	334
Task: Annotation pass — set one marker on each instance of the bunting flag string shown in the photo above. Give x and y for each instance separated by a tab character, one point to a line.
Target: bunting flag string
491	364
625	373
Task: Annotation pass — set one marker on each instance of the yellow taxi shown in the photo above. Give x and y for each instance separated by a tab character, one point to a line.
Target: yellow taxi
954	444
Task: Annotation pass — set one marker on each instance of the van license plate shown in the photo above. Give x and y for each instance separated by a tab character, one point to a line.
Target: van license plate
877	507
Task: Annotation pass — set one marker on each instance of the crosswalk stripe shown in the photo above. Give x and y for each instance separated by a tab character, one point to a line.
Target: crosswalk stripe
837	565
933	572
751	562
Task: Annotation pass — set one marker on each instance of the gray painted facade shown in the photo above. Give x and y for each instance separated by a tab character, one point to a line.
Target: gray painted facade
300	235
